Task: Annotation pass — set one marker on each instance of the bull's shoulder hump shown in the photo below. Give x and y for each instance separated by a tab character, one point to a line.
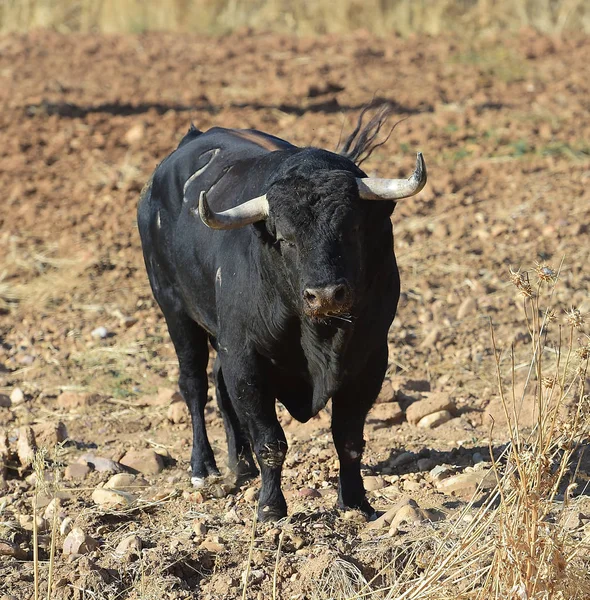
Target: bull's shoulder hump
250	137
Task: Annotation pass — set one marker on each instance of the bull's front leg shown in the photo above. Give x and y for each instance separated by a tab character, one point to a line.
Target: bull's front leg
254	405
349	411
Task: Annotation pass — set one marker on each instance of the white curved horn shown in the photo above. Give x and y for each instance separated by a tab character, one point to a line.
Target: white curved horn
234	218
371	188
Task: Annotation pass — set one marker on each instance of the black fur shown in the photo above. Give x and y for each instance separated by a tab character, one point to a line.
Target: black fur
243	291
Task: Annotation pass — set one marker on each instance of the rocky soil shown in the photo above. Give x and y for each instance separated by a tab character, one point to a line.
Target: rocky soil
86	367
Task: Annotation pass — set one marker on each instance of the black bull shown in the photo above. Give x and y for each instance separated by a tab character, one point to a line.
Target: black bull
296	300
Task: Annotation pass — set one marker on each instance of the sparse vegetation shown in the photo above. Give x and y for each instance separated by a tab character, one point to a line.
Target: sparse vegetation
377	16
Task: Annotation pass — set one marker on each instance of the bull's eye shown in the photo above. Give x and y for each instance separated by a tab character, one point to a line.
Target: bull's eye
284	242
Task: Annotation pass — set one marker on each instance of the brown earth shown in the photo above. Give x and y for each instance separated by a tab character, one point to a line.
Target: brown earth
503	125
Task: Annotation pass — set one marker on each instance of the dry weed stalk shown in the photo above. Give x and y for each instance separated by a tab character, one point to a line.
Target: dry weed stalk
518	544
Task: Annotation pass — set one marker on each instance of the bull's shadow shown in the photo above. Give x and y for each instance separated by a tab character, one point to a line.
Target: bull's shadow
329	106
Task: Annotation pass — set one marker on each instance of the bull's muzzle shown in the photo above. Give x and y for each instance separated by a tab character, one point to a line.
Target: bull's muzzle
327	301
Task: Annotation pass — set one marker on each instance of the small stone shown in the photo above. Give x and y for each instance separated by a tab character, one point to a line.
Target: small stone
252	576
387	412
434	419
374	483
5	401
466	484
26	445
178	413
386	518
477	458
434	402
101	464
77	542
53	508
412	486
441	472
127	322
112	498
212	544
10	549
199	528
466	308
100	333
405	458
135	134
431	338
308	493
408	514
297	541
251	494
387	393
128	546
76	400
50	434
126	482
146	462
425	464
77	471
66	526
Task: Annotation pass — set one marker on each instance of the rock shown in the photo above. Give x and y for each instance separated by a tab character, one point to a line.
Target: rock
387	393
412	486
66	526
385	519
252	576
441	472
77	542
251	494
26	445
478	458
101	464
128	546
54	508
434	402
112	498
308	493
466	308
212	544
405	458
199	528
126	482
408	514
75	400
387	412
5	401
4	445
10	549
100	333
466	484
50	434
77	471
146	462
416	385
374	483
435	419
425	464
178	412
135	134
431	338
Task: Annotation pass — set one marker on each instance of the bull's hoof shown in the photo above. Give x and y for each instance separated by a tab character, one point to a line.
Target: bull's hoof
244	469
269	513
363	506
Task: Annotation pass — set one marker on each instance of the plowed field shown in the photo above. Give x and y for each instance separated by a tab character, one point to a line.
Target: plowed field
504	128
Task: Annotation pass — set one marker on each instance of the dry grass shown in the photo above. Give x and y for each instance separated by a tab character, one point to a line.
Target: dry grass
521	544
302	17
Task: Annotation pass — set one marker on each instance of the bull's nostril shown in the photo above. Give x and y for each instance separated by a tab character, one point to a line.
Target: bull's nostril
340	294
309	296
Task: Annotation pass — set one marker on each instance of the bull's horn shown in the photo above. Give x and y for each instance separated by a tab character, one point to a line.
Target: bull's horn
234	218
371	188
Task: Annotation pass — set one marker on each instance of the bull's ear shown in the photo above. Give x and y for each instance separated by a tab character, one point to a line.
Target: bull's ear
371	188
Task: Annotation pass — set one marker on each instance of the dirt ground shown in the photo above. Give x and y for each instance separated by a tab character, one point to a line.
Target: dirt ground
503	125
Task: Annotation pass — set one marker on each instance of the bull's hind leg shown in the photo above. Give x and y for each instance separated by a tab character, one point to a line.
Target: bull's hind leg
349	411
240	460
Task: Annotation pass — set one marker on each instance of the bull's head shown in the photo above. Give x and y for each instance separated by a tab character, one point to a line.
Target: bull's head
319	235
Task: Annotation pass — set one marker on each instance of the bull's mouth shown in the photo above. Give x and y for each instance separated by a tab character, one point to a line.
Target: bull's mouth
326	318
